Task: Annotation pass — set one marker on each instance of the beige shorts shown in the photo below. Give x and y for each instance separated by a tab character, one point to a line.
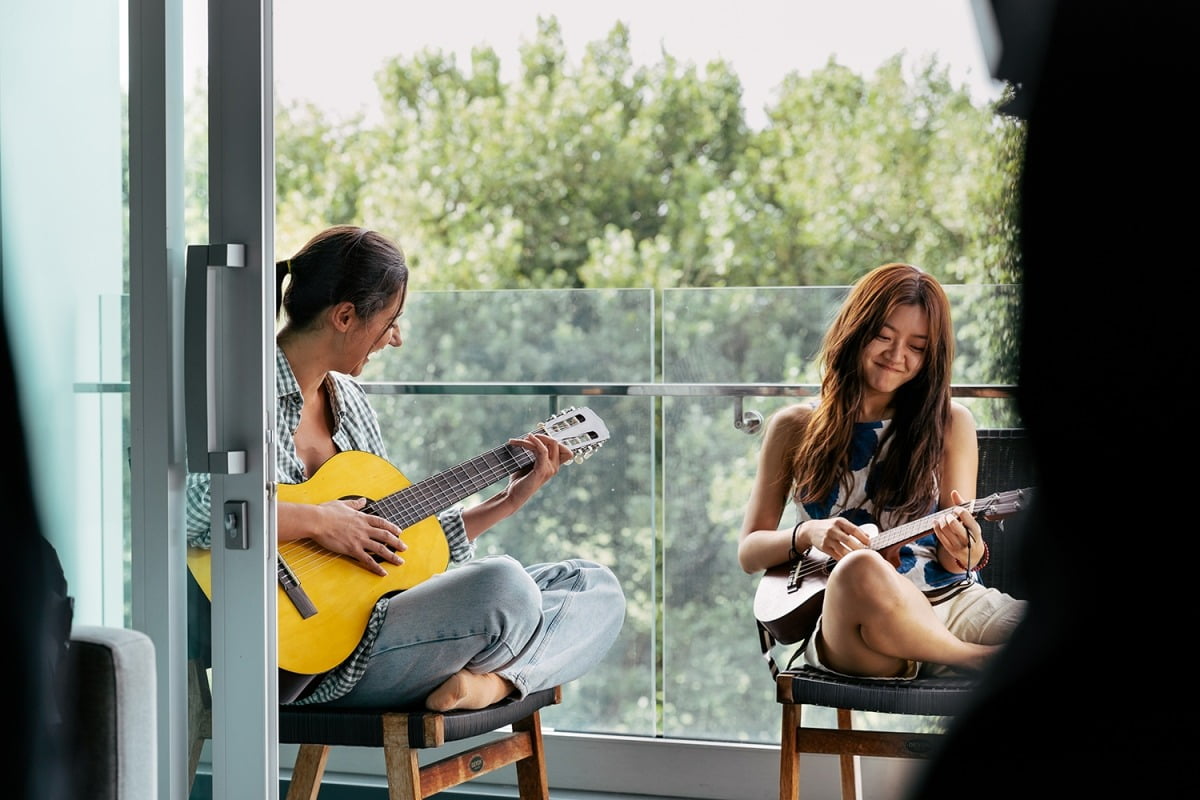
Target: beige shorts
976	614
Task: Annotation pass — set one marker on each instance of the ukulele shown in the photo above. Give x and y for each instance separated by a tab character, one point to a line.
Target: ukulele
788	600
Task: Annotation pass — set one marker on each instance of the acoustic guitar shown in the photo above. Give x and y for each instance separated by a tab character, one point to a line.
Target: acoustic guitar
789	596
325	599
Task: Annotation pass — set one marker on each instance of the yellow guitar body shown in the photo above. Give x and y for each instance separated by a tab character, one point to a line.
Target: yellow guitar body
325	599
342	591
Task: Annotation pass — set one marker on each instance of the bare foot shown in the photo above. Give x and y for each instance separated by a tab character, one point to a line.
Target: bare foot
982	656
468	690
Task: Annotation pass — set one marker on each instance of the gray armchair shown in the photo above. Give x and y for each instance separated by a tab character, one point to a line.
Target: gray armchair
110	713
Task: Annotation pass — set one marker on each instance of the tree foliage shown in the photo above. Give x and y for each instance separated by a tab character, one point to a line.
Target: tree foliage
606	174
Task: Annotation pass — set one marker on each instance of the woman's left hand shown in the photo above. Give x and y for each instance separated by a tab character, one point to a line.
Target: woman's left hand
548	453
959	534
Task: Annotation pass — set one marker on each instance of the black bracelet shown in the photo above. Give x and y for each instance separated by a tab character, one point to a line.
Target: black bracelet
793	553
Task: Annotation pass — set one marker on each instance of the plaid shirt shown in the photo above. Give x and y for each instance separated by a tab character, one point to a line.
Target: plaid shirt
355	427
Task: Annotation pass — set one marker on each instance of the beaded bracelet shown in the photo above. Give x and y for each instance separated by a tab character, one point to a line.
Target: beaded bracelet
983	562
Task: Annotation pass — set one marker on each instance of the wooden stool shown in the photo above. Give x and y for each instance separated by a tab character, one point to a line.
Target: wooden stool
401	733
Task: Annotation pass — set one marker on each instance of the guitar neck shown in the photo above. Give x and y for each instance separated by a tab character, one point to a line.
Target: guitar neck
993	507
912	529
438	492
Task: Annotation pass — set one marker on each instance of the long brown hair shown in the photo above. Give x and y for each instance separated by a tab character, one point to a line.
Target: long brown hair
905	478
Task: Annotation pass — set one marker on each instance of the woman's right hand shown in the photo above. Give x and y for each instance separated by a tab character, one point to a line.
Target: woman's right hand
367	538
836	537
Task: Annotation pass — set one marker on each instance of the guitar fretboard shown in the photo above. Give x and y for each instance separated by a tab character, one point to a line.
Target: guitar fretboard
913	528
994	506
425	498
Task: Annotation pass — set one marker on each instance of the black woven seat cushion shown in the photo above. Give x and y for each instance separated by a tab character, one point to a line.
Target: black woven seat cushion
925	696
1005	463
363	727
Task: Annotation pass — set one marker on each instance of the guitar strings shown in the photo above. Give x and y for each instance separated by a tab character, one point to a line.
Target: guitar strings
437	492
421	500
416	502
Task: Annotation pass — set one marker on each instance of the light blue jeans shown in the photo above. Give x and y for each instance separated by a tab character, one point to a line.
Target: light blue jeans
537	626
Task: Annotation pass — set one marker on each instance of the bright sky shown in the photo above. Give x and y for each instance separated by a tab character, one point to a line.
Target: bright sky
328	53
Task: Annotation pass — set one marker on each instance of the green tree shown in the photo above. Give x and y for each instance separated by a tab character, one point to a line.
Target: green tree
609	175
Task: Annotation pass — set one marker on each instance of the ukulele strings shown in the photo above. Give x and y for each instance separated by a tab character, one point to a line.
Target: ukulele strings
893	536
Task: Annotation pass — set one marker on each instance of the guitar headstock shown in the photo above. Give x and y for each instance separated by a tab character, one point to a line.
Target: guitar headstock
1003	504
580	429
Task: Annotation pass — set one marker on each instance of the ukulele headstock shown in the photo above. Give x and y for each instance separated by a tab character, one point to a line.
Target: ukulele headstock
1001	505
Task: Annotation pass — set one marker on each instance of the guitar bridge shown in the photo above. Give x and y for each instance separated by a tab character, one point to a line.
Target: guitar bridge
793	581
295	592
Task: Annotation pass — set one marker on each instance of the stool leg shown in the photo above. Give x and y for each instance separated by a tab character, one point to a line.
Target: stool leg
403	766
531	770
789	756
199	715
851	776
307	772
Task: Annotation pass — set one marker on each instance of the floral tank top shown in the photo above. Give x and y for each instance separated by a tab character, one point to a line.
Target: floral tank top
918	558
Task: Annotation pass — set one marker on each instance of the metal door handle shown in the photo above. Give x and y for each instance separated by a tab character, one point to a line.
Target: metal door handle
198	375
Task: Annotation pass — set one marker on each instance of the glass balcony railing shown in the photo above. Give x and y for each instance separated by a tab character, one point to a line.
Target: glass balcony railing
683	379
680	379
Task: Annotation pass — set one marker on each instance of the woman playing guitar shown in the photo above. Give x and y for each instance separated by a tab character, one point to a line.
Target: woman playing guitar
884	445
489	628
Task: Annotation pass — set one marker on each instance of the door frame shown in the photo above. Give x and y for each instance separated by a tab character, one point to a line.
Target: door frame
244	742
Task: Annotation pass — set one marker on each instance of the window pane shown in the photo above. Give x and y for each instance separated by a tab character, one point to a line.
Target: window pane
602	509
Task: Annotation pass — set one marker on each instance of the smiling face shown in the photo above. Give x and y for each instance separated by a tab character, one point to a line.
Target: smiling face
366	337
896	353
